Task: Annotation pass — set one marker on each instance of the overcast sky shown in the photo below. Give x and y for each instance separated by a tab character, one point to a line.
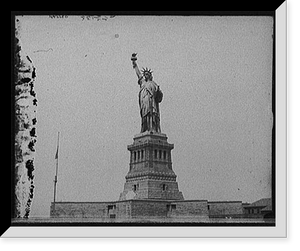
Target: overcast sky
216	77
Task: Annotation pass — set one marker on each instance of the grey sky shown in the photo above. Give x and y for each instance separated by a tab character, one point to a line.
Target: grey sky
216	76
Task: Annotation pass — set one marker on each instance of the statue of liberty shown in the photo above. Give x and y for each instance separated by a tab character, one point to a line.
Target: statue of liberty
149	98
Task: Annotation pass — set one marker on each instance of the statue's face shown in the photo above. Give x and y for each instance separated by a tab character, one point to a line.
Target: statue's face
148	76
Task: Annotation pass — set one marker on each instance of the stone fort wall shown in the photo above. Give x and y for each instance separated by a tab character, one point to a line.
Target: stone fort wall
143	209
225	208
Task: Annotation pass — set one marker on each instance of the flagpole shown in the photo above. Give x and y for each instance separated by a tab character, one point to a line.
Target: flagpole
56	171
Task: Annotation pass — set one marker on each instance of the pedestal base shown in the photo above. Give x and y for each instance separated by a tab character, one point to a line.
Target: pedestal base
150	173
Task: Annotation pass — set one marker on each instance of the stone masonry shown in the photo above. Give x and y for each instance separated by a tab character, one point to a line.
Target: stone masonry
150	174
133	210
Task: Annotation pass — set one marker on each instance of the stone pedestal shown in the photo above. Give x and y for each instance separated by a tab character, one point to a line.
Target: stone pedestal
150	173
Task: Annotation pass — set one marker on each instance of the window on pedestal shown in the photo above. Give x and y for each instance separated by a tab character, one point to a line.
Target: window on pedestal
138	155
164	187
160	154
155	154
135	187
142	154
165	155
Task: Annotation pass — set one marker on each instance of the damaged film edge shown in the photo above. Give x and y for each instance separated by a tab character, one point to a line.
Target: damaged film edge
25	129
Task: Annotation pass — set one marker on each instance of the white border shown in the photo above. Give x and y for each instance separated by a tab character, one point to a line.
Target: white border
280	230
144	232
281	119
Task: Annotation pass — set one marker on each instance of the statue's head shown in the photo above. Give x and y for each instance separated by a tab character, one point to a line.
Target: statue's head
147	73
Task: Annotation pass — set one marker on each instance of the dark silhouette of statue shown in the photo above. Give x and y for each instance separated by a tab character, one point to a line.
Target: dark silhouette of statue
149	98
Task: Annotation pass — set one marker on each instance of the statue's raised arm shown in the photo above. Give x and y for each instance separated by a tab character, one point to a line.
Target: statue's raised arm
135	66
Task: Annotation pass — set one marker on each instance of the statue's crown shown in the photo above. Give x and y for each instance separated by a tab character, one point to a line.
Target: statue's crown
146	70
